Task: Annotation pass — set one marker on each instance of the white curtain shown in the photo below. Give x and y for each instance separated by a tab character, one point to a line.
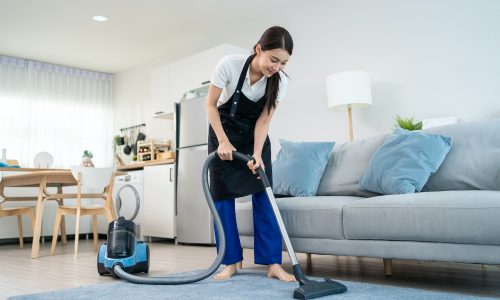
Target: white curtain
58	109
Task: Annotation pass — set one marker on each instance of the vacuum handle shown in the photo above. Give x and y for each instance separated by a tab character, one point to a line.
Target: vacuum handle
260	171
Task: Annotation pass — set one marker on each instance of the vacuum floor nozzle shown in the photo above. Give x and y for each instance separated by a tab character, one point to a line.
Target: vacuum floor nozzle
315	289
310	289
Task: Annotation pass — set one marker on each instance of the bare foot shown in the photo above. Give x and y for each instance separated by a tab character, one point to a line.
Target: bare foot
276	271
226	273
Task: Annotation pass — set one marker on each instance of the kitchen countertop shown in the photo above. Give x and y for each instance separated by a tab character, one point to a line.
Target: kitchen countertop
142	164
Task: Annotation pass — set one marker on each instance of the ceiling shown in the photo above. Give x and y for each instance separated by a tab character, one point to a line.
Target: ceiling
63	32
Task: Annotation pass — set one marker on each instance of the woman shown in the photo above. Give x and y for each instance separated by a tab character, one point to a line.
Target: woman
243	95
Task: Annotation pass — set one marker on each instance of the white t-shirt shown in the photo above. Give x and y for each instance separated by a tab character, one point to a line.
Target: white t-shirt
226	76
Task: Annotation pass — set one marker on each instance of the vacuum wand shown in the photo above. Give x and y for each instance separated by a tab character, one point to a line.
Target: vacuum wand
277	214
308	289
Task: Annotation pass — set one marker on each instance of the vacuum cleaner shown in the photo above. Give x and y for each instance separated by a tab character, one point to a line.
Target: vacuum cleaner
123	255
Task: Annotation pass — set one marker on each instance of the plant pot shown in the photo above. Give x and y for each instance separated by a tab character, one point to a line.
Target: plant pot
119	140
87	162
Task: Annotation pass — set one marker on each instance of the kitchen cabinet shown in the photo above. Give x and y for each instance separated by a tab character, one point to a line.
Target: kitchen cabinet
159	103
159	201
168	83
179	80
203	64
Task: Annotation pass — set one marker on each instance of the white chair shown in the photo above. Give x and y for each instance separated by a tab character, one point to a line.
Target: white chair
18	211
43	160
100	179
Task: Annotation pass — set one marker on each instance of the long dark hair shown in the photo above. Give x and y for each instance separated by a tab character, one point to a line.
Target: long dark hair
275	37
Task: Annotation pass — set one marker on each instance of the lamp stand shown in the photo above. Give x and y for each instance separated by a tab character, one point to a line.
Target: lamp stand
349	111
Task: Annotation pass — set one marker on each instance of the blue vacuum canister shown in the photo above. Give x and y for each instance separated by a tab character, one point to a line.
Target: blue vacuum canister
122	249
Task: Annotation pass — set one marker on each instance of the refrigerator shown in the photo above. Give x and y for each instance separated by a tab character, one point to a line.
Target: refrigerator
194	221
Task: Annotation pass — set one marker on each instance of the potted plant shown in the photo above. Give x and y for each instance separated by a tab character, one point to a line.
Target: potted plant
87	159
408	124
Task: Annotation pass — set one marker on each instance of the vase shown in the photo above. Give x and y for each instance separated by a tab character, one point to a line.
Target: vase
87	162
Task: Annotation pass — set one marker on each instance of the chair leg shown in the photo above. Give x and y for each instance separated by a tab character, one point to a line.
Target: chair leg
31	214
63	230
94	227
108	214
63	222
77	232
112	211
20	228
56	231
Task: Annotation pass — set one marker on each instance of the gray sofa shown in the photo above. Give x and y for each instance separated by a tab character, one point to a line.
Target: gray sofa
456	218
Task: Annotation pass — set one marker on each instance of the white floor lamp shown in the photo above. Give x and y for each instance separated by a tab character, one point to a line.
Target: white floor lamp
348	90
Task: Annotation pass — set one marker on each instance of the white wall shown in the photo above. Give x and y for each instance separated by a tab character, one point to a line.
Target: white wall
426	59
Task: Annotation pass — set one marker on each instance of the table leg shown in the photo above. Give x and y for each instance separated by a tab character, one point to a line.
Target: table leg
63	223
20	229
35	248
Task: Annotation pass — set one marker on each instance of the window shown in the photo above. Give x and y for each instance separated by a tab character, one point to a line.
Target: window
58	109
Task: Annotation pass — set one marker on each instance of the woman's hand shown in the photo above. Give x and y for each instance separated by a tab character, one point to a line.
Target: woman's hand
258	163
225	150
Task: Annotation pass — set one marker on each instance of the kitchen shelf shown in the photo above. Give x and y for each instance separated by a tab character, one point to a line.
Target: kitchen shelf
149	149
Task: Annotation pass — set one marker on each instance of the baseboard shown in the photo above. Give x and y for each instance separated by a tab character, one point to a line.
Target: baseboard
48	239
159	240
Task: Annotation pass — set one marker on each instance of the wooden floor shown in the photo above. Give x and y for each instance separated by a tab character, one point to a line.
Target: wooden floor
19	274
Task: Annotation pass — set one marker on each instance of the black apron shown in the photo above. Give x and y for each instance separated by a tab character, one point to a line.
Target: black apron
233	179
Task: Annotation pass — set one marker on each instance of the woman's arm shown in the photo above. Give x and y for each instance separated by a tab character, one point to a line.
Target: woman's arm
225	149
260	135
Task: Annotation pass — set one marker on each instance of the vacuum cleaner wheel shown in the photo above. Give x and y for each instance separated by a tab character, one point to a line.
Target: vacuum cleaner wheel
100	266
146	265
100	269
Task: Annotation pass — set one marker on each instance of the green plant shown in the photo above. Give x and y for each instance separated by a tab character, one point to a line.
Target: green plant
88	154
408	124
117	139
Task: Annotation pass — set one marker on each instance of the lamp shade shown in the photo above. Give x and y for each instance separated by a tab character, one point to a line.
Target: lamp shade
350	88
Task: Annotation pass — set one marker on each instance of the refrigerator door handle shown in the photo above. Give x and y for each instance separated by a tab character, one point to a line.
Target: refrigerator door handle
195	148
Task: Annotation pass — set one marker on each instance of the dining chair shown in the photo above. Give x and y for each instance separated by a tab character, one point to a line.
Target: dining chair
43	160
18	211
94	179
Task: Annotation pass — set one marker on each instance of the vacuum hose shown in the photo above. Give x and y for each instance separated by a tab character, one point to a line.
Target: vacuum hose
118	271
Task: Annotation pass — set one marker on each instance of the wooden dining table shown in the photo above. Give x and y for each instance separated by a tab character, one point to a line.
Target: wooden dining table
43	179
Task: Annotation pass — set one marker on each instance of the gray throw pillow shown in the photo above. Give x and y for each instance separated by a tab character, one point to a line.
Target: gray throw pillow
345	167
473	162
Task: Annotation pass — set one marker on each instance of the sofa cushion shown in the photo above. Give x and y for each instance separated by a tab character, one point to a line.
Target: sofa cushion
404	162
346	166
469	217
312	217
299	166
474	159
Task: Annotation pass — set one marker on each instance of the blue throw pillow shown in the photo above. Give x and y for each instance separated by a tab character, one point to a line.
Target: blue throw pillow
299	166
404	162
